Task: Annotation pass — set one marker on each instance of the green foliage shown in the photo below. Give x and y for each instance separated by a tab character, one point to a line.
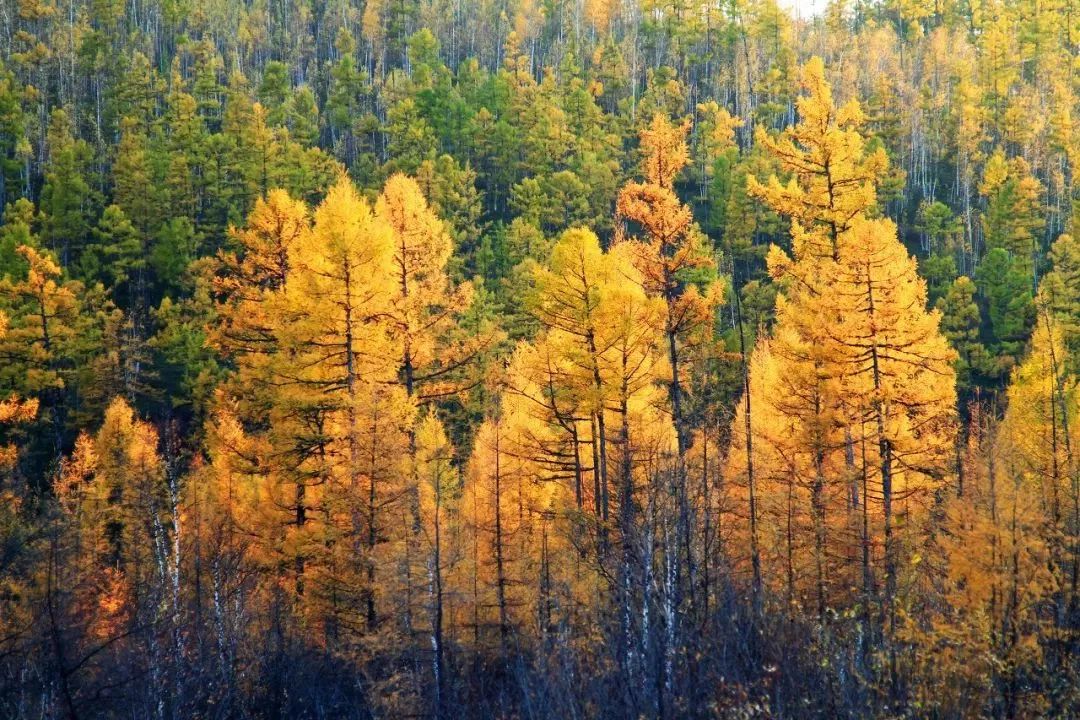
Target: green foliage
1014	217
411	140
175	247
961	322
939	271
67	201
303	116
274	92
17	230
115	256
1060	291
938	225
14	146
1004	291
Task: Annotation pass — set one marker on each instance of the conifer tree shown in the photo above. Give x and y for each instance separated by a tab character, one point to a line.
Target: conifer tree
867	372
67	200
44	322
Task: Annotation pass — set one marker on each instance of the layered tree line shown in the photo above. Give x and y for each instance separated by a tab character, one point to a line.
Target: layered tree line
530	359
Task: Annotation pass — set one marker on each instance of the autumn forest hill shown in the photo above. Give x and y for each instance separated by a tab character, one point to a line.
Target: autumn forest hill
386	89
527	137
427	359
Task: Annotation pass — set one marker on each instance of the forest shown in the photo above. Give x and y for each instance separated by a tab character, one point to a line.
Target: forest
539	359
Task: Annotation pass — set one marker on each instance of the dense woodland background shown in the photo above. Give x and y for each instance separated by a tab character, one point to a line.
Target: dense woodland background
533	358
